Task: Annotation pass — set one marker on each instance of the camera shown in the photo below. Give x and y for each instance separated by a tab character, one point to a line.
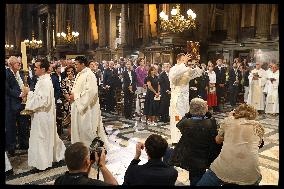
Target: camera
97	145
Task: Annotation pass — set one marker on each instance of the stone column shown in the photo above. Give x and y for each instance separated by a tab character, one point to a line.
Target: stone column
146	25
10	24
101	28
263	20
124	23
49	32
112	27
233	22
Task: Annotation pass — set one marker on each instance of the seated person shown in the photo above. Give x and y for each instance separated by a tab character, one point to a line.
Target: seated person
77	158
155	171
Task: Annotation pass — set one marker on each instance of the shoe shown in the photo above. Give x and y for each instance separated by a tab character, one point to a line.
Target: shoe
9	173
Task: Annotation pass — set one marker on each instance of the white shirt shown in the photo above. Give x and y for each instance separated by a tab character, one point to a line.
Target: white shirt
130	76
212	77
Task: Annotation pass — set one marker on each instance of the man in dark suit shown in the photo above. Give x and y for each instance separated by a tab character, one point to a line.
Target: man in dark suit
13	103
165	91
220	82
56	81
155	171
129	88
193	84
235	76
110	83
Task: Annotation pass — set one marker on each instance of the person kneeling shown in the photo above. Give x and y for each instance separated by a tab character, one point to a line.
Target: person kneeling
77	158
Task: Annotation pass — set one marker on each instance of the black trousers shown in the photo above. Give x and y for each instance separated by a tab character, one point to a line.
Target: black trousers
23	127
10	130
128	103
234	90
110	99
59	117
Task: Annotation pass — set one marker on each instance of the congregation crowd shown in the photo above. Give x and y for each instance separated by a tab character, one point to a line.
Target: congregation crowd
145	89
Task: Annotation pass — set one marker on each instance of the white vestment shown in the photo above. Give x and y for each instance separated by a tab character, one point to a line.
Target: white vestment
256	96
179	77
86	119
272	99
8	165
45	146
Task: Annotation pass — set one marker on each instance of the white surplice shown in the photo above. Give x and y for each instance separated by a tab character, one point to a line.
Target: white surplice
8	165
179	77
272	98
45	146
86	120
256	96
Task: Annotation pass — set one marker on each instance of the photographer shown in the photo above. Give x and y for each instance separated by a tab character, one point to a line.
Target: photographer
77	158
197	147
154	172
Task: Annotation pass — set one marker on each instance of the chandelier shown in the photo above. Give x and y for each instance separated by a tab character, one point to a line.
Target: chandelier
177	23
70	37
34	44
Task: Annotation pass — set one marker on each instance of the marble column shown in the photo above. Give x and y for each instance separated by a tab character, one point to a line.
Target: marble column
18	25
146	25
101	28
263	20
11	24
112	27
49	32
233	25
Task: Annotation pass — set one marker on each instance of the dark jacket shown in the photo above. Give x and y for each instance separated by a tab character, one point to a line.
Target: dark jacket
110	77
220	75
12	92
154	172
127	82
232	77
196	148
78	179
56	85
165	97
246	79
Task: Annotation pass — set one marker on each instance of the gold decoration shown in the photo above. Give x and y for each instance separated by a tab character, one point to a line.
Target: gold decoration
33	44
70	37
177	23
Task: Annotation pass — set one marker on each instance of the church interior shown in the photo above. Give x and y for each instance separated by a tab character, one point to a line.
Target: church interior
237	34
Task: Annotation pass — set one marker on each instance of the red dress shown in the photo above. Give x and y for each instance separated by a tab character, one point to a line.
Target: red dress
211	97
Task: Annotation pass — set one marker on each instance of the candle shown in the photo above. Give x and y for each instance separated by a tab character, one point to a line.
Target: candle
24	56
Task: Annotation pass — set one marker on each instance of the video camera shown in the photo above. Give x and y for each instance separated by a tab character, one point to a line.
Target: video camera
97	145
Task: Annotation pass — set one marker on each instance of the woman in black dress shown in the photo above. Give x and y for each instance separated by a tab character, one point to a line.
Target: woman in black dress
152	98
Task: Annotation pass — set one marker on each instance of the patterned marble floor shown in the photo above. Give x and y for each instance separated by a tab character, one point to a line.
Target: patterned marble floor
123	136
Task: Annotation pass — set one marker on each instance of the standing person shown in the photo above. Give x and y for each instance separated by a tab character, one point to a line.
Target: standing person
86	120
165	93
110	84
272	99
203	83
220	82
14	95
246	82
45	145
179	77
129	88
235	77
141	74
212	97
257	80
67	85
193	84
152	98
56	81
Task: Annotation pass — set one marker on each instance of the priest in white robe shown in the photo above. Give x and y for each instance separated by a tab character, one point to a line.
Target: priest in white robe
45	146
179	77
257	81
86	120
272	98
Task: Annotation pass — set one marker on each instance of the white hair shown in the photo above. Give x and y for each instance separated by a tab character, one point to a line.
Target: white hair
198	106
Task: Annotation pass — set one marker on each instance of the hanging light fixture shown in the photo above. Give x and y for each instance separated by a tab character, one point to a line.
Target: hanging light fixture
177	23
34	44
70	37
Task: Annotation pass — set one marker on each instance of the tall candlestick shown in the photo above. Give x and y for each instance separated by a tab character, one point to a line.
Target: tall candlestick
24	56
